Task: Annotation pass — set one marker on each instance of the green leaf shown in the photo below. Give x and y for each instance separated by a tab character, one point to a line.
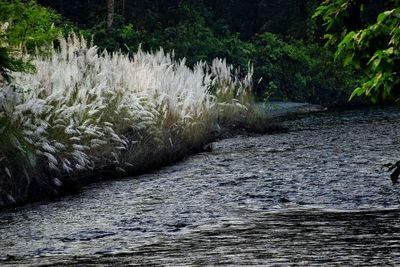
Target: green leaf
348	59
381	17
348	38
357	92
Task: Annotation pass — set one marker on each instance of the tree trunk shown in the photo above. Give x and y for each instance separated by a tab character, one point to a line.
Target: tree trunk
110	13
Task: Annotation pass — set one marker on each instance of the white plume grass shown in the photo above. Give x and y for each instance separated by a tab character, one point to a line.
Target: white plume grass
83	109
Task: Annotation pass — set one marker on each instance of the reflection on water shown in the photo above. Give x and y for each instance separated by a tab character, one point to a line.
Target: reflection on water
314	196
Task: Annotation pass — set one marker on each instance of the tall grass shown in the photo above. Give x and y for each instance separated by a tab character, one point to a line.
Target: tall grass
84	110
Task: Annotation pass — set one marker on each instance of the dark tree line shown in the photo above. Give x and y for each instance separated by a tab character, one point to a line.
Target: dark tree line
277	36
288	17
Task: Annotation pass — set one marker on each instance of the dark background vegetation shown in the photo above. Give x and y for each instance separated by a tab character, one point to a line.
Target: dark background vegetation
278	37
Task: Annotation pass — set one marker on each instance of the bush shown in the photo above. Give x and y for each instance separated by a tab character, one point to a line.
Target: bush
31	25
24	26
298	71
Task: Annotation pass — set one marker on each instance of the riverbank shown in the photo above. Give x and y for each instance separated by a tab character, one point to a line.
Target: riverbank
267	121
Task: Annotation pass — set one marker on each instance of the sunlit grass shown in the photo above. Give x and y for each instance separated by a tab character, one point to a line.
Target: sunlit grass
85	110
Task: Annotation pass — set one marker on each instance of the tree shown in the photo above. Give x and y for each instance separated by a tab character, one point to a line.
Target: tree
373	47
26	25
29	24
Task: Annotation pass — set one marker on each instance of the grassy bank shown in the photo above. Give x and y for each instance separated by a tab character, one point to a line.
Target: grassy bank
84	114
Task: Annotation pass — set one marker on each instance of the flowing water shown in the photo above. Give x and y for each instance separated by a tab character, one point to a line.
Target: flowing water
316	195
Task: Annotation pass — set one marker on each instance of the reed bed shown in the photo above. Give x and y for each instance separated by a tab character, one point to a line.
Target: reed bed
84	112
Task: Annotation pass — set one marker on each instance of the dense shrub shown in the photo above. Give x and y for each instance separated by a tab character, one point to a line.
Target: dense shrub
30	24
24	26
370	46
295	70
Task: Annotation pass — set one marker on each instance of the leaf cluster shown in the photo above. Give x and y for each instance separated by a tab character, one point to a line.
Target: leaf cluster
373	49
25	26
30	24
300	71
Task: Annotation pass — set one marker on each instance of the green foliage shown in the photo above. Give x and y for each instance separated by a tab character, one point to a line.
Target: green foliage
8	63
192	40
119	37
28	26
31	25
300	71
373	48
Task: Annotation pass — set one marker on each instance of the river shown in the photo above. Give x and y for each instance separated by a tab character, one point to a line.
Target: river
315	196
